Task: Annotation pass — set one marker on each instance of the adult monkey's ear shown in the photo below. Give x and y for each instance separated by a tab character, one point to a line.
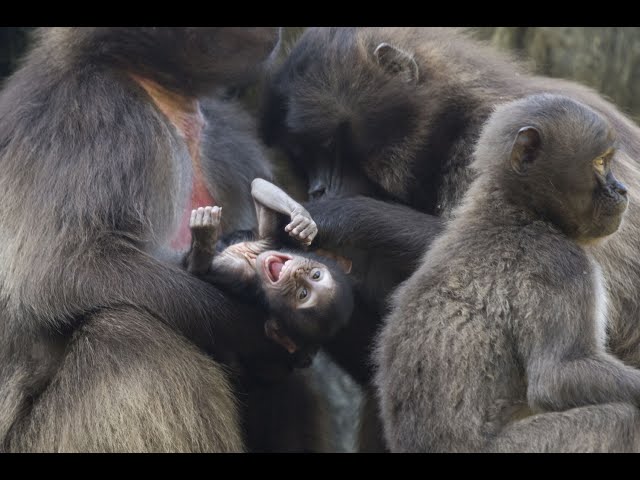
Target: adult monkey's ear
397	62
274	332
525	149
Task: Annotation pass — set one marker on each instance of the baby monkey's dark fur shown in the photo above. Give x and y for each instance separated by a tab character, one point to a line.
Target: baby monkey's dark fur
308	297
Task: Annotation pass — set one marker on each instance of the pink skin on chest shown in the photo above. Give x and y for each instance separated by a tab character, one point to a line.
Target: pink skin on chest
200	197
185	115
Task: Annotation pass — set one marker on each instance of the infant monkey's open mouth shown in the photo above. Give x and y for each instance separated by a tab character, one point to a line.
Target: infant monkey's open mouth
274	265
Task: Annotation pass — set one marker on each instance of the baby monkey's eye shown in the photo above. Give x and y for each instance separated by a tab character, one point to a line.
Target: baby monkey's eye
302	293
316	274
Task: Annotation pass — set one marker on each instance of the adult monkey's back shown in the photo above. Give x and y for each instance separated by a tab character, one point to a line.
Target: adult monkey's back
395	112
98	130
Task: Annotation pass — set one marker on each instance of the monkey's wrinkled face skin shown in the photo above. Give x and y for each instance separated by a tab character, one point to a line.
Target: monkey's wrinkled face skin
610	198
578	192
342	113
299	282
595	201
309	300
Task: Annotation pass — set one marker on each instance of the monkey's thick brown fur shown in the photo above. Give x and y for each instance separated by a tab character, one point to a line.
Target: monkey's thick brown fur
497	342
101	330
344	114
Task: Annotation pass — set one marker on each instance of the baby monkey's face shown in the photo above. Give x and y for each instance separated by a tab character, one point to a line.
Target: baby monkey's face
295	280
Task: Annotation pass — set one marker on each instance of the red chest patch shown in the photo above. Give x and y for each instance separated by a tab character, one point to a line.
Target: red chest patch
185	115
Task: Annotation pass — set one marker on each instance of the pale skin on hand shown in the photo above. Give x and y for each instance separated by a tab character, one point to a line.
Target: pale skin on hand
205	217
205	221
205	226
269	198
302	227
205	229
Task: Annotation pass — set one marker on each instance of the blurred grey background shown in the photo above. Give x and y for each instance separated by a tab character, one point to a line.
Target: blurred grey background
605	58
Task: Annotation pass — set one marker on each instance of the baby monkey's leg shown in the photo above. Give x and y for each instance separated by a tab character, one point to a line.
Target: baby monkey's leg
270	201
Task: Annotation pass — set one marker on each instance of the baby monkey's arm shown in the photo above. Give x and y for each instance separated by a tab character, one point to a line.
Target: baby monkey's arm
271	200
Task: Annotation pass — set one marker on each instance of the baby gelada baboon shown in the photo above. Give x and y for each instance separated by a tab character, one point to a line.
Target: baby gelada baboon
496	343
307	297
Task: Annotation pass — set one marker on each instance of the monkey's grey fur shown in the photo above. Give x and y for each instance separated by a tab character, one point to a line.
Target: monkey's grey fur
99	329
236	157
342	113
497	342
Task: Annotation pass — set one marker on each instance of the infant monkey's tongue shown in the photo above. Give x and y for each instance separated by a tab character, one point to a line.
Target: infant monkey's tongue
275	267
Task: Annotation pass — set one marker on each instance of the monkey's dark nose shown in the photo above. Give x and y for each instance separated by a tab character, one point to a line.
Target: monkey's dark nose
619	188
317	191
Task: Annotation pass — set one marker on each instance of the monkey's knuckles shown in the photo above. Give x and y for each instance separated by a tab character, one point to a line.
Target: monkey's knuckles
305	231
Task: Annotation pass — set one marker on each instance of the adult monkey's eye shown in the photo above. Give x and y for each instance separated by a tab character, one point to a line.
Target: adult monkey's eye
302	293
600	163
316	274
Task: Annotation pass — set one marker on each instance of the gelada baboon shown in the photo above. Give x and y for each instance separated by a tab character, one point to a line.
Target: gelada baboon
321	133
497	342
288	412
395	113
100	135
307	297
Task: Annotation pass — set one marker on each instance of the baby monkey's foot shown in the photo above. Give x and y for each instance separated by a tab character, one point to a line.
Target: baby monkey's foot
205	224
205	217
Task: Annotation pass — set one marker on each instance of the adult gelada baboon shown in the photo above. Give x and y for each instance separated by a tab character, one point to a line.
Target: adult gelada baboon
497	342
100	158
395	113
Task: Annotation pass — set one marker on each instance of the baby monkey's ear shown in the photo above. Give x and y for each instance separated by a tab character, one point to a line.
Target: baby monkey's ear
345	263
273	330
